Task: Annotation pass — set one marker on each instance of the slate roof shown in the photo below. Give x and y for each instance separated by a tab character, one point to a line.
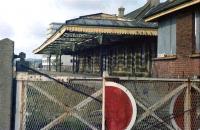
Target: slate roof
139	13
165	6
110	23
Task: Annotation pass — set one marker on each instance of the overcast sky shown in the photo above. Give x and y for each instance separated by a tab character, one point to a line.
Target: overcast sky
26	21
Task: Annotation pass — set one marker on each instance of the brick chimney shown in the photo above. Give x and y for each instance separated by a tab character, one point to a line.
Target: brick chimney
154	2
121	12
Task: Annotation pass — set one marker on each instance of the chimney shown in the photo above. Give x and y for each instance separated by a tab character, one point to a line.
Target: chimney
154	2
121	12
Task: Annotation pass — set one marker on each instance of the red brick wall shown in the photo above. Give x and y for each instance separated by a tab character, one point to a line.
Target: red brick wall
183	65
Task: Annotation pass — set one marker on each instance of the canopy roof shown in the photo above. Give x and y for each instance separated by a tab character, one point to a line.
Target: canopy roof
88	30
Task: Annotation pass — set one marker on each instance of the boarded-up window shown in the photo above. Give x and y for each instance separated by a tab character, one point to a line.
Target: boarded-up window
197	31
167	37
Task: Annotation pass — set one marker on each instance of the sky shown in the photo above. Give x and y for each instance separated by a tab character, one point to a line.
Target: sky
26	21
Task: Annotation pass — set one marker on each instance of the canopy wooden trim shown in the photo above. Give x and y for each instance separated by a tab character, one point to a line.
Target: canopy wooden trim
96	30
171	10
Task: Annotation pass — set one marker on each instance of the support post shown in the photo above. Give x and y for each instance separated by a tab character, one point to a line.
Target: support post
187	107
101	60
105	74
56	62
49	62
6	74
60	63
73	63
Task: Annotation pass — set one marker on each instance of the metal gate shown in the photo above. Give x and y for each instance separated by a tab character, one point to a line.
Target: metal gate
165	104
43	103
64	102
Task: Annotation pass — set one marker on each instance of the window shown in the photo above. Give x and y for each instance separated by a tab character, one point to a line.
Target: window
197	31
167	37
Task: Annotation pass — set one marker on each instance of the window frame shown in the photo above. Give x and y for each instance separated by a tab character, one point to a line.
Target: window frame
197	32
170	23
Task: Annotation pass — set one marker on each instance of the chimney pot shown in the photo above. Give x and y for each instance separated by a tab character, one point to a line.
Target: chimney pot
154	2
121	12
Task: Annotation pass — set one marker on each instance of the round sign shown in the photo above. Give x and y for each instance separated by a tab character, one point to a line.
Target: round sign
120	107
177	109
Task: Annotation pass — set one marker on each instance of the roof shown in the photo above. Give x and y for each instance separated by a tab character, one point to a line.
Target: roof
168	7
88	28
110	23
164	6
139	13
99	16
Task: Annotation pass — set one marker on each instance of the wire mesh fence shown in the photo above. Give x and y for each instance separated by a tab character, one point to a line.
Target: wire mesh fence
77	104
61	105
161	104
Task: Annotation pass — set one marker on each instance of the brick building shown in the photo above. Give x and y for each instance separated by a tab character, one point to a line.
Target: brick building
178	50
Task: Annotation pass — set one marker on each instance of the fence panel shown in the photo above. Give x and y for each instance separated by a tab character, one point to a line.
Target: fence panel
162	104
51	105
72	103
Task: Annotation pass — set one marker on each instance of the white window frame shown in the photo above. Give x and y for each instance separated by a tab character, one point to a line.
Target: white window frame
197	31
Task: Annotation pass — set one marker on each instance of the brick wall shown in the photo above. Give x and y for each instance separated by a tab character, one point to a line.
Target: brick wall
183	65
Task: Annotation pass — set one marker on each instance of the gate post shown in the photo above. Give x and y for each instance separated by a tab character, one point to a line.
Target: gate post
20	119
187	107
6	78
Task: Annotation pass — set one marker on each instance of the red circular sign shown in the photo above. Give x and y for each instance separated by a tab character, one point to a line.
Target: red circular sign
177	109
120	107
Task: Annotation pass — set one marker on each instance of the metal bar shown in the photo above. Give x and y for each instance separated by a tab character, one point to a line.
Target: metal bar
67	108
77	77
187	106
84	121
156	79
196	88
154	115
87	100
160	103
56	121
77	107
